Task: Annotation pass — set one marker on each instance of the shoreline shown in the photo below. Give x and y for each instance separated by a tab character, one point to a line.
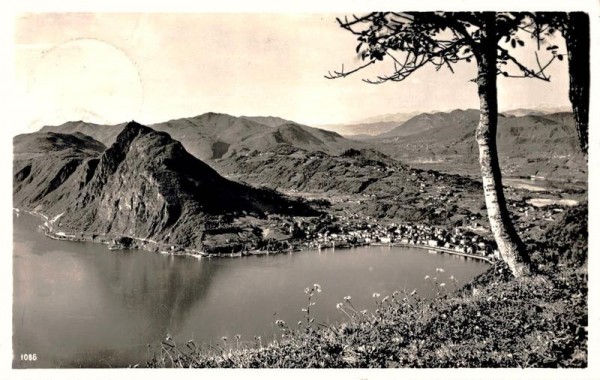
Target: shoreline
156	247
444	250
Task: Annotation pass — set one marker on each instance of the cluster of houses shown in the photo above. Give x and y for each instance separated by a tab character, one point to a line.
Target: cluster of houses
354	229
348	233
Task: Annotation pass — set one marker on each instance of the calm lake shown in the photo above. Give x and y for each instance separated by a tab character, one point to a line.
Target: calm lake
81	305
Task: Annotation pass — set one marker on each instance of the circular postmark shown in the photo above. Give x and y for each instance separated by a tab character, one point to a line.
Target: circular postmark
84	79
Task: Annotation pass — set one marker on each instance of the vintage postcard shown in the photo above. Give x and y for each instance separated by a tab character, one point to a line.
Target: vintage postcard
402	187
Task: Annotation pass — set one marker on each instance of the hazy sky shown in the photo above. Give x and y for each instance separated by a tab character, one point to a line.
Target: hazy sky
109	68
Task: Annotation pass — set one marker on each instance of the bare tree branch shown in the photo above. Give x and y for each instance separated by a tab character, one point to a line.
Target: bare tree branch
527	72
343	74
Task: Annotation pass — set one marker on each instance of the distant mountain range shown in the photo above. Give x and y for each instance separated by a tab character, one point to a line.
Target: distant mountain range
371	126
362	130
384	124
430	121
544	145
541	110
538	143
397	117
212	135
145	187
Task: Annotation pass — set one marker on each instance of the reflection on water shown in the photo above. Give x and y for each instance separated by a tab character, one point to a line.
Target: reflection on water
81	305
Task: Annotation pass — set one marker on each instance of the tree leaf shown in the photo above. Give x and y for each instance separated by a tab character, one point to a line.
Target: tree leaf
560	57
521	43
513	43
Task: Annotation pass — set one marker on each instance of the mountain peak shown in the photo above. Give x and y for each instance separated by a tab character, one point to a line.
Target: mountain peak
130	132
135	126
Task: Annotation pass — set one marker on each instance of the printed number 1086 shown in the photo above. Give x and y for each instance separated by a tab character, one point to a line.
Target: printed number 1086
29	357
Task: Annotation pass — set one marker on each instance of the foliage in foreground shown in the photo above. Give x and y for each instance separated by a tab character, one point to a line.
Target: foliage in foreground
494	321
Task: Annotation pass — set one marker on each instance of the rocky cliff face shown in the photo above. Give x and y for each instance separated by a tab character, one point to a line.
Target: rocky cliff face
147	186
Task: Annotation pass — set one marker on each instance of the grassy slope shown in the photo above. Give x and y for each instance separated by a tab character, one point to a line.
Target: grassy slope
494	321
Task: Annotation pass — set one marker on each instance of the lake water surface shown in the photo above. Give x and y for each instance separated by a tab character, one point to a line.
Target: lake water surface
81	305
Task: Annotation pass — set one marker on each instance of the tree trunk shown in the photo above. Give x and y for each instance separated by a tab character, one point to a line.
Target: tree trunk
510	245
577	37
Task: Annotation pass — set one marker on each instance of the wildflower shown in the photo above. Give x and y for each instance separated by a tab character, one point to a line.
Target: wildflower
339	305
307	290
347	298
426	277
237	337
224	338
304	310
385	299
413	292
376	295
299	323
439	270
396	293
364	311
452	278
317	288
280	323
442	284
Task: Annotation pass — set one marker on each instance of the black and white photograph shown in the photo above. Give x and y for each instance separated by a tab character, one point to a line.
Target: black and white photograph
398	187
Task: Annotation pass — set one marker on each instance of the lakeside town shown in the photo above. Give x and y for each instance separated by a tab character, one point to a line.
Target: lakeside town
471	239
352	231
